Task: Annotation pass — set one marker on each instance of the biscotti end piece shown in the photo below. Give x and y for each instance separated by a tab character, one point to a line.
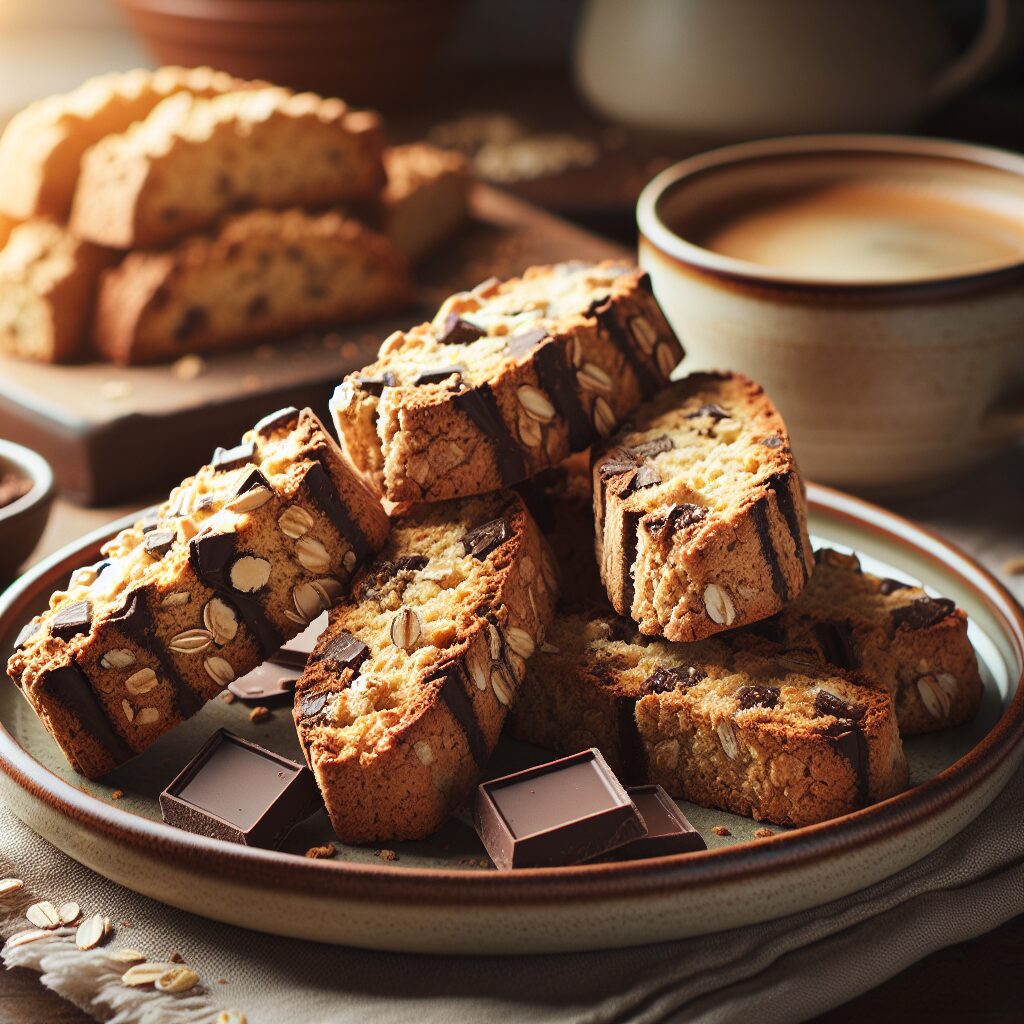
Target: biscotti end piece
264	273
193	160
914	644
426	199
42	146
48	281
506	381
240	558
699	510
404	697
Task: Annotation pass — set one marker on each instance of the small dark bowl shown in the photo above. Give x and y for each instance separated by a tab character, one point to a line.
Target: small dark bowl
23	521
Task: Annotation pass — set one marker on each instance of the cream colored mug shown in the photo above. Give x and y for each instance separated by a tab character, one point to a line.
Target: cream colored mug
831	270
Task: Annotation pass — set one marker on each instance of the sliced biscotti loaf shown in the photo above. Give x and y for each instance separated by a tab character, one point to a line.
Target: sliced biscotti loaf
42	145
914	645
748	726
48	281
240	558
263	273
192	160
404	697
426	199
699	510
507	380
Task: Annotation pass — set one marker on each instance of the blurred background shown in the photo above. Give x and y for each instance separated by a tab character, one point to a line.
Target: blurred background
548	97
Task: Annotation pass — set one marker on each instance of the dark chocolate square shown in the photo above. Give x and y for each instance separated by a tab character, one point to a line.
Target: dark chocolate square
668	831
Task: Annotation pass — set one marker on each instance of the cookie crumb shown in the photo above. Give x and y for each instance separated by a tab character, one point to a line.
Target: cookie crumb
321	852
175	957
763	833
188	367
387	855
721	830
259	714
1015	567
125	923
117	794
222	981
228	697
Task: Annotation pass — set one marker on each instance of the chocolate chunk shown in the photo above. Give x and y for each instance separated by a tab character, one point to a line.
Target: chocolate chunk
781	485
525	341
71	620
661	680
654	446
376	385
285	417
923	612
668	831
759	515
69	687
346	652
158	543
678	516
28	632
240	792
758	696
233	458
563	812
620	460
442	373
826	703
890	586
268	684
837	644
150	521
646	476
484	539
311	705
455	693
715	412
456	331
558	379
480	405
772	441
253	479
411	563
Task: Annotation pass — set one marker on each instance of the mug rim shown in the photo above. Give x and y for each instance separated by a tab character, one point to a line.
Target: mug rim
655	232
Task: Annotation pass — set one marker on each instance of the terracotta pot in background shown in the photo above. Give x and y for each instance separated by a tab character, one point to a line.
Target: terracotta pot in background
370	52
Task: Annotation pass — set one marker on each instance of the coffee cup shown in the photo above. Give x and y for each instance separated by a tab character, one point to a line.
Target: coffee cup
873	284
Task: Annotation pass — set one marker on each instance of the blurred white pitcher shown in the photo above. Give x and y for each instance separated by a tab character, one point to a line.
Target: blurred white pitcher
725	70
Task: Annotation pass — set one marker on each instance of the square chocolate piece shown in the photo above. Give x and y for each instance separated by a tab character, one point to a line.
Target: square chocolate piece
269	683
668	831
563	812
296	652
240	792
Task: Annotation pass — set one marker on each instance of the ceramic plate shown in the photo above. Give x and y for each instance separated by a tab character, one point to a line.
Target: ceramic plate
441	895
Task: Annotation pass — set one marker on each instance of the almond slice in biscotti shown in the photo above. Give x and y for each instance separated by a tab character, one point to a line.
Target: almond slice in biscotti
746	725
266	273
506	381
193	160
405	694
699	510
241	557
42	145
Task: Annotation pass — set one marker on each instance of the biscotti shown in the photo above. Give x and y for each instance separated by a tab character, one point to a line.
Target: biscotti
41	148
48	281
240	558
193	160
915	646
699	510
405	694
426	199
264	273
507	380
748	726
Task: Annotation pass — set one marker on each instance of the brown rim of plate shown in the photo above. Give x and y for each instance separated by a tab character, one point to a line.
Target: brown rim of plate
577	884
654	232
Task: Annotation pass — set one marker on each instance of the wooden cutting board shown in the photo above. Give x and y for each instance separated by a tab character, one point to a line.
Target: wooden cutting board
113	434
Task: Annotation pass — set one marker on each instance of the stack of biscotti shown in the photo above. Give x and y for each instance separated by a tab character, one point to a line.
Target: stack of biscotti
240	558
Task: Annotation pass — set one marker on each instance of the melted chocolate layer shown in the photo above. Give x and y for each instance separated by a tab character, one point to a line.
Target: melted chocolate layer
480	405
456	697
559	382
759	513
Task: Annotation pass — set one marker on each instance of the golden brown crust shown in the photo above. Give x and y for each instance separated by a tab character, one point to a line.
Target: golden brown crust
699	510
263	273
397	734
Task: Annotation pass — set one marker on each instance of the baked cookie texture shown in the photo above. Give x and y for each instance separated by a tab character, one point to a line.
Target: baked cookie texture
192	160
426	199
745	724
700	519
239	559
48	281
42	146
507	380
263	273
913	645
406	692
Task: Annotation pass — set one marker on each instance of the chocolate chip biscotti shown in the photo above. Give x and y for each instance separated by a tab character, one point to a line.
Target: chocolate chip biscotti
507	380
915	646
193	160
240	558
264	273
699	510
48	281
405	694
42	145
748	726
